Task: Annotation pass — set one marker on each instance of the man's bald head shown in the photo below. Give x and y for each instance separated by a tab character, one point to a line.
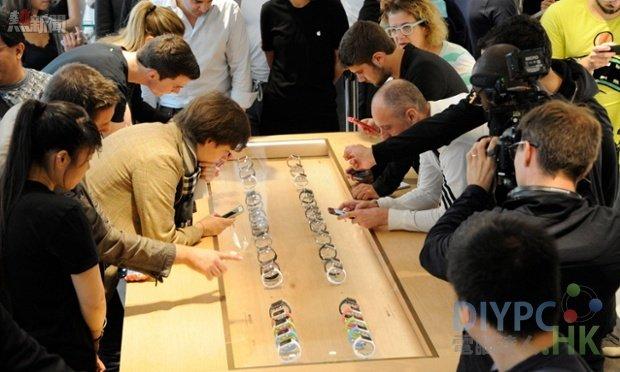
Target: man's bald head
396	106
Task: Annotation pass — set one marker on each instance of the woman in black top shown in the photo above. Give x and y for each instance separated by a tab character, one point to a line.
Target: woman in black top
48	255
44	34
300	39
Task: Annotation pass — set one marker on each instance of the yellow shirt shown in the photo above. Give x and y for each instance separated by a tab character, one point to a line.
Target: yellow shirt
574	30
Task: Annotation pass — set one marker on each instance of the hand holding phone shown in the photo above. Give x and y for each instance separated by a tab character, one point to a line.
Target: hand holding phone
234	212
336	212
370	129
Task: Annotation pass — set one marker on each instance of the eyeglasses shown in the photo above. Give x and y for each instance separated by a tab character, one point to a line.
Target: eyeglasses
406	29
512	149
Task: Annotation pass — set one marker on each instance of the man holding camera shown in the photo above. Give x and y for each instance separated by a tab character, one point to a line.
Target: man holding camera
565	79
583	29
549	158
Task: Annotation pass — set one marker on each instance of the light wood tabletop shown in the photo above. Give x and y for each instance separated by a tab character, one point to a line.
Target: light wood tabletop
189	323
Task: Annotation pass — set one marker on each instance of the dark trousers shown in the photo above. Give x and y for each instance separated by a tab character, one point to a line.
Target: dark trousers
110	345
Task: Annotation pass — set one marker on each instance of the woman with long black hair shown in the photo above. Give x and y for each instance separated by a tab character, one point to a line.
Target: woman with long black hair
48	256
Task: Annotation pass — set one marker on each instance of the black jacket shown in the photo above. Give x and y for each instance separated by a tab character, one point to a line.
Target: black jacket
578	86
587	238
111	15
20	352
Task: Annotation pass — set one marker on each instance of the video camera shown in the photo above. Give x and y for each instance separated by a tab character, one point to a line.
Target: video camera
511	90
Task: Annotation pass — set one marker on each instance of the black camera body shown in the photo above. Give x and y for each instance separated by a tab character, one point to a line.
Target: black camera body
510	98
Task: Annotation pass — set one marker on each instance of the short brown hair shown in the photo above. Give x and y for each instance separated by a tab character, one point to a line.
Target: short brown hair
82	85
362	41
400	95
214	116
170	56
568	137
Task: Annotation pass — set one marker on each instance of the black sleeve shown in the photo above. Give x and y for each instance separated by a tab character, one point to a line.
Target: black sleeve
104	18
391	177
430	80
265	28
340	23
119	110
430	134
502	10
433	256
370	11
20	352
607	176
73	244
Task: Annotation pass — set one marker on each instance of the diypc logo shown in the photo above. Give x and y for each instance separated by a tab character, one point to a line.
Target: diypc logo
573	301
579	304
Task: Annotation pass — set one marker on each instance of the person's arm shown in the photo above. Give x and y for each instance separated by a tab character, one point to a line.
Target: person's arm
431	133
20	352
91	296
340	24
433	256
391	177
76	11
238	57
605	170
154	185
427	193
432	83
122	249
104	18
502	10
75	249
266	34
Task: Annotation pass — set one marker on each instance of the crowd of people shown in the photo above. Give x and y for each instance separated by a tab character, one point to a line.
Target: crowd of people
509	114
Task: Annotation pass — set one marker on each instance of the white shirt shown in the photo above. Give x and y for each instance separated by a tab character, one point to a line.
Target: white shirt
440	180
220	43
250	9
352	8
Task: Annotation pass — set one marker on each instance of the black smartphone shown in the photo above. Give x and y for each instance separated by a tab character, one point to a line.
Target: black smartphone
336	212
615	48
234	212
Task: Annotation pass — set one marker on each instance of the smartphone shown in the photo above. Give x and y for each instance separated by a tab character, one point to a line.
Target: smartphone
363	125
336	212
615	48
234	212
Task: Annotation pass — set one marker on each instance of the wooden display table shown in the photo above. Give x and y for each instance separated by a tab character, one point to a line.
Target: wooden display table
190	324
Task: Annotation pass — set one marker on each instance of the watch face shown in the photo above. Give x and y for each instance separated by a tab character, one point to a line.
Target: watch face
266	255
328	252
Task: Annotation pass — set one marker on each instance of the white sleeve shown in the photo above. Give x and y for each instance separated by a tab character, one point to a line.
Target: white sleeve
238	57
454	163
7	125
427	194
421	221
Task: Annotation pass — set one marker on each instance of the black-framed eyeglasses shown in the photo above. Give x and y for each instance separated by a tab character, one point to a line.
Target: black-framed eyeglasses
512	149
406	29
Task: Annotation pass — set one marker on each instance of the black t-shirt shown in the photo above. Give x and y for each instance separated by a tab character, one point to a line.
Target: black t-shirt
562	359
36	57
109	61
47	240
433	76
304	41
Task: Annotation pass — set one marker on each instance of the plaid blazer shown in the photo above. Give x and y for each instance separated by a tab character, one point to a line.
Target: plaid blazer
135	180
